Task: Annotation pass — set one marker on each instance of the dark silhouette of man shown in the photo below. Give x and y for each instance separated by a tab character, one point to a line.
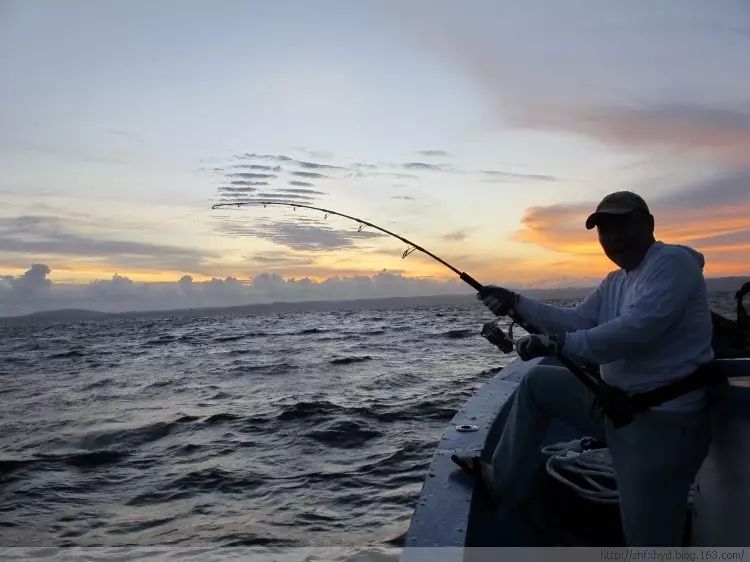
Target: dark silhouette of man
647	324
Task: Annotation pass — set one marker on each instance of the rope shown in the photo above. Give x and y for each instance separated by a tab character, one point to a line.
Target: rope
588	471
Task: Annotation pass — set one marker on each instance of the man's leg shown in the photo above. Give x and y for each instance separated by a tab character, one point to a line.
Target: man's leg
656	458
545	392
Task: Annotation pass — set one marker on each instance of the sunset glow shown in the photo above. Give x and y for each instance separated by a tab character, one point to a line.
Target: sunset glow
485	135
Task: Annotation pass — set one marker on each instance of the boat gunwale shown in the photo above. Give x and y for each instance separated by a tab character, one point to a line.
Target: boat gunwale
446	502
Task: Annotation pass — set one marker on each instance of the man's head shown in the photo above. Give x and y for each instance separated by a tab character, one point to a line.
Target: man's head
625	226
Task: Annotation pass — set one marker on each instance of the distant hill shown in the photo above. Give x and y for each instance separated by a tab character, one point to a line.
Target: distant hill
63	314
77	315
720	284
732	284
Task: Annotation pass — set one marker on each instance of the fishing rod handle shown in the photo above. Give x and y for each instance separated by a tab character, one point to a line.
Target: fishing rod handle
466	278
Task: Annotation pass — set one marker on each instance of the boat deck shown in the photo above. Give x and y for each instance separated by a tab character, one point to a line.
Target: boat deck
450	514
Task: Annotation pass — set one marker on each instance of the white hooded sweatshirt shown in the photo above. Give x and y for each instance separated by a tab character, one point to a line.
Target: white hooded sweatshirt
645	327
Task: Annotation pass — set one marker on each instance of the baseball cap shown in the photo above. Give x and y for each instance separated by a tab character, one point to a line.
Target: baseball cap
617	203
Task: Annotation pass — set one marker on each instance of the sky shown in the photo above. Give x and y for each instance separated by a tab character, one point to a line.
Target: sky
483	131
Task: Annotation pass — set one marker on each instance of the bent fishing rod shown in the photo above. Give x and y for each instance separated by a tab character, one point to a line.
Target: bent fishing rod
502	341
463	275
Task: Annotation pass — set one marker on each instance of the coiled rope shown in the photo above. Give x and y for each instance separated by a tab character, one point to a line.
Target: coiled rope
588	470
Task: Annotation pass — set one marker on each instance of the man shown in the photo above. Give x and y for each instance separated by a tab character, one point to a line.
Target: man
647	324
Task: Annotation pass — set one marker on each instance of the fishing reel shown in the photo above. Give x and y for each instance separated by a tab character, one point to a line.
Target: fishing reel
494	334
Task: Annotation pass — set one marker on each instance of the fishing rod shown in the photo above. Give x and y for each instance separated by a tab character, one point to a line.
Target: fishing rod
490	330
496	336
462	274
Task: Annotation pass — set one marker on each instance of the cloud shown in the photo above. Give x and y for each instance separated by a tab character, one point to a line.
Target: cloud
239	185
257	167
248	182
281	259
234	190
727	188
286	159
721	133
617	78
283	195
120	293
498	176
455	236
433	153
317	154
403	197
559	228
305	233
308	175
301	191
48	237
250	175
314	166
117	287
32	281
249	156
422	166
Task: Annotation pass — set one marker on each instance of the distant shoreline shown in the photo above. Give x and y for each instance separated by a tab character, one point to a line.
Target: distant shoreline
719	284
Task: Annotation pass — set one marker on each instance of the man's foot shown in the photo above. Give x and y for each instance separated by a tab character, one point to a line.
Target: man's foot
470	463
482	472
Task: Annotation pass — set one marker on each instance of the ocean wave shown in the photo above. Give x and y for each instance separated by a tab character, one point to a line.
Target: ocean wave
435	409
458	334
131	437
251	539
348	360
302	410
410	455
161	340
159	384
75	459
220	418
94	458
270	369
67	354
308	331
11	465
138	526
98	384
343	434
237	337
216	479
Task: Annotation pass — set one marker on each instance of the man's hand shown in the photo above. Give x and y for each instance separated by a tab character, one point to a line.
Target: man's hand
498	299
538	345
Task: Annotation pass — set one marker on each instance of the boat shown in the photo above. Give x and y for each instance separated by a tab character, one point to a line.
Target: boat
452	512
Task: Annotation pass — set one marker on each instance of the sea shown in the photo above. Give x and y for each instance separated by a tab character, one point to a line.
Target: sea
292	429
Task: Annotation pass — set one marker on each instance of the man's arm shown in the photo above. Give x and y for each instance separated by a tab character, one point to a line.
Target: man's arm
664	295
557	319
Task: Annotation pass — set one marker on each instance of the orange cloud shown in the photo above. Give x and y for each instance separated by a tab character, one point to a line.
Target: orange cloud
559	228
721	233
